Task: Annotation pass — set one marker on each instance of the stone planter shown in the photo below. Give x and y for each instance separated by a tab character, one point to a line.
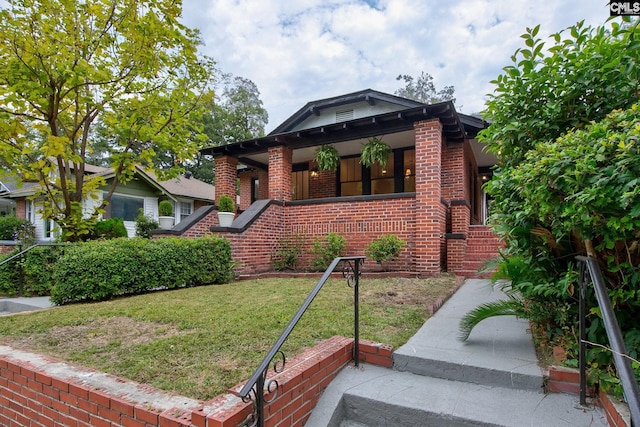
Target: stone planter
226	218
165	222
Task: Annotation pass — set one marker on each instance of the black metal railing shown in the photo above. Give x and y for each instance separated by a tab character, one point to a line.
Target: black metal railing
254	390
590	272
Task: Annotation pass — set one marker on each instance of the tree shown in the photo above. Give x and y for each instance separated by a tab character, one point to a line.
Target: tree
129	65
236	116
423	89
564	126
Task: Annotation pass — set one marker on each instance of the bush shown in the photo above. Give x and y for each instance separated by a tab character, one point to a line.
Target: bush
287	253
112	228
144	225
12	228
385	248
104	269
31	274
165	208
226	204
326	249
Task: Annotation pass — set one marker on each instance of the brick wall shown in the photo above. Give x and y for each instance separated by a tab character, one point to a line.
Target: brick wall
323	184
280	167
225	181
246	188
42	391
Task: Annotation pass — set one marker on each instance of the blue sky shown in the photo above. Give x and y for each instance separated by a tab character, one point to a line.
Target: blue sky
302	50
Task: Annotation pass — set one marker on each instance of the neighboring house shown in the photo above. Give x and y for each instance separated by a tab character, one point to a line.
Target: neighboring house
430	194
143	192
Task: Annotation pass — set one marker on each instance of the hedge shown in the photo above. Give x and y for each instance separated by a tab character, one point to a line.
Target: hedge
100	270
30	274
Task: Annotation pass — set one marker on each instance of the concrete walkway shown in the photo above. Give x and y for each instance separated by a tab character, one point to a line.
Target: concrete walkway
19	304
492	379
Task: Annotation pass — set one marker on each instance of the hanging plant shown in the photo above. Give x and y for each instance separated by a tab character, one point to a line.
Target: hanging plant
376	150
327	158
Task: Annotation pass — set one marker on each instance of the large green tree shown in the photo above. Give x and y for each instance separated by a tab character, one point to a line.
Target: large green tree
423	89
564	126
128	64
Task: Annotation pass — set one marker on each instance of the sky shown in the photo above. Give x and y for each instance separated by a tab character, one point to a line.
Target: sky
297	51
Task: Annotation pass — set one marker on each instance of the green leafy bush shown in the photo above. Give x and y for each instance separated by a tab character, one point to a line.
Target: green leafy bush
287	252
226	204
165	208
103	269
144	225
111	228
326	249
30	274
12	228
385	248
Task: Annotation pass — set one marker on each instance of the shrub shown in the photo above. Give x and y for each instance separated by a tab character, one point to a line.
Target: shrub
287	252
385	248
326	249
144	225
111	228
104	269
12	228
165	208
226	204
30	274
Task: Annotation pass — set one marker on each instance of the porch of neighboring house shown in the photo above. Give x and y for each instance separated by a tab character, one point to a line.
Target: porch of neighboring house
430	193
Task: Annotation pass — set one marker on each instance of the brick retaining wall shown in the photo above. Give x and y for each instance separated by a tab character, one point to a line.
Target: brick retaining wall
41	391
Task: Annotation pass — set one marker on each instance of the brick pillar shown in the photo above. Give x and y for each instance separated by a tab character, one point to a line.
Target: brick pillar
430	212
457	239
226	173
454	191
280	168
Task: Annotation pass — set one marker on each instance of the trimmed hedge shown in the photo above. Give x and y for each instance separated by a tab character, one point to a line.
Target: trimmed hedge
100	270
31	274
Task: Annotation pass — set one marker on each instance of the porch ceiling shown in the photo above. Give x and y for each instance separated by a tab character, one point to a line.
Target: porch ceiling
395	128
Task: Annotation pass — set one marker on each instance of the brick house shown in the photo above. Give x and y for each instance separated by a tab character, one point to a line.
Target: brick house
429	194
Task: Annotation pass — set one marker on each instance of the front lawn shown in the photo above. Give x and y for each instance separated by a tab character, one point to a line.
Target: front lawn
198	342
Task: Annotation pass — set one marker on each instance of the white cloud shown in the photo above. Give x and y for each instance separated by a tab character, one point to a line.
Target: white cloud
305	50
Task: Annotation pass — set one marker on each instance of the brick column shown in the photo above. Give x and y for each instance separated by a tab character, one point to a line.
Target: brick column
280	167
457	239
430	212
455	192
226	173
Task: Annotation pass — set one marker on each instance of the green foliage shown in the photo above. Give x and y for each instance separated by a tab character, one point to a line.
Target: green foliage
327	158
130	67
100	270
31	274
385	248
325	249
568	172
423	89
287	252
226	204
144	225
508	307
376	150
165	208
12	228
111	228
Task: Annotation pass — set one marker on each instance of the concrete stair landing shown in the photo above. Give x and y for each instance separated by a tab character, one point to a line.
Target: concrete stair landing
493	379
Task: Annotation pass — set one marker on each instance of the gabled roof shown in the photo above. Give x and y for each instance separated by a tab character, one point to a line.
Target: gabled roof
181	186
369	96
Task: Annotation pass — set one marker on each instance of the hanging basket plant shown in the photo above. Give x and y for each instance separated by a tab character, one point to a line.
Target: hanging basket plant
376	150
327	158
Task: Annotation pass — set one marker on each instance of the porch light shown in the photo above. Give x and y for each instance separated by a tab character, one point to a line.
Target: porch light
407	172
314	174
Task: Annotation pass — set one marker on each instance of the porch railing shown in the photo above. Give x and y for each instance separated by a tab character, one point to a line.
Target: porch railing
590	272
254	389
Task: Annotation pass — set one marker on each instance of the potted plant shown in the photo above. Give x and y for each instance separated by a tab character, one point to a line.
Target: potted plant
165	218
376	150
327	158
226	211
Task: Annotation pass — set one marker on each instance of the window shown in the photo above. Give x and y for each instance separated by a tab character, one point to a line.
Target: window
300	184
186	209
350	176
409	168
125	207
255	189
30	211
382	181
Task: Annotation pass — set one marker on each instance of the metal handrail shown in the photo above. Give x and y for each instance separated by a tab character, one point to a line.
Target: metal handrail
24	251
589	267
254	389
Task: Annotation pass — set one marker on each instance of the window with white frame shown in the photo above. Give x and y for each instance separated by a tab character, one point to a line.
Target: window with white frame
125	207
186	209
30	214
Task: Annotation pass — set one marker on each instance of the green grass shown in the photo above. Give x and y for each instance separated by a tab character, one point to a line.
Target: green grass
198	342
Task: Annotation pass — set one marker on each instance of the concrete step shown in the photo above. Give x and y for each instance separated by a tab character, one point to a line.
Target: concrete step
380	397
